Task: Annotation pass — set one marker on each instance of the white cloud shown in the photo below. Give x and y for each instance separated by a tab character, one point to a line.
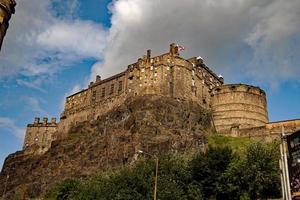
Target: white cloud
35	84
80	38
45	36
11	126
256	39
35	105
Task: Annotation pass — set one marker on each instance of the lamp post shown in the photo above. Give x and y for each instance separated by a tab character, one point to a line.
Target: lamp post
156	170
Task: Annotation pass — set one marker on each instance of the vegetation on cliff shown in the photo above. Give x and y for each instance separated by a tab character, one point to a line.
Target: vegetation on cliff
151	123
224	171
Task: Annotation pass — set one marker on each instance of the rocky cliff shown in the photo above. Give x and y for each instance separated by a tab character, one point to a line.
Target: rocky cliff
150	123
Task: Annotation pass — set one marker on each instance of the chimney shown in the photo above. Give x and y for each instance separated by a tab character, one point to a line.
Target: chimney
173	49
91	83
36	120
98	78
45	120
53	120
148	55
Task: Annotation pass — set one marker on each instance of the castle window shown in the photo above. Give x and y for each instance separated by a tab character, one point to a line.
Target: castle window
155	74
168	68
103	92
151	60
193	73
94	96
112	86
120	86
142	70
193	82
151	67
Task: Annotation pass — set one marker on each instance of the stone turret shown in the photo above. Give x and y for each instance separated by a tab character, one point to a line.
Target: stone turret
39	135
7	8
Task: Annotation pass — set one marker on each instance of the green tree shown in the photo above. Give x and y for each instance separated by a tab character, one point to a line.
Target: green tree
64	190
261	170
207	168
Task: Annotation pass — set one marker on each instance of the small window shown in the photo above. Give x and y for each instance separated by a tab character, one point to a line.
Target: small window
120	86
193	82
94	96
112	87
103	92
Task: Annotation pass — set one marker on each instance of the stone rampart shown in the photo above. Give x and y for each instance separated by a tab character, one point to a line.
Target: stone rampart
238	105
166	75
40	134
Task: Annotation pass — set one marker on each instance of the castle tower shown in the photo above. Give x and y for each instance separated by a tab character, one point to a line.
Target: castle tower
7	8
238	106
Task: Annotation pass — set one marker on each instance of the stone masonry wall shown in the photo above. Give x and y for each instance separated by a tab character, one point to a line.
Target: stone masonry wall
167	75
39	135
238	105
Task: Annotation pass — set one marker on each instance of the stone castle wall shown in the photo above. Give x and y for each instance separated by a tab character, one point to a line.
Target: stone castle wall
238	106
237	109
270	131
40	135
166	75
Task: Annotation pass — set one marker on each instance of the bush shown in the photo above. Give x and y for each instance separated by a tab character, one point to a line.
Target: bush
64	190
217	174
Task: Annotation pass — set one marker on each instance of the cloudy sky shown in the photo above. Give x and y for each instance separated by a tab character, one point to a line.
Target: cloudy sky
54	48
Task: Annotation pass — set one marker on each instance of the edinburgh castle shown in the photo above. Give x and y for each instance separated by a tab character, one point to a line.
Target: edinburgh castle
237	109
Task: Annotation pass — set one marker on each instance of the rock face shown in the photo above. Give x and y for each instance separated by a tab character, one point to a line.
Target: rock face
150	123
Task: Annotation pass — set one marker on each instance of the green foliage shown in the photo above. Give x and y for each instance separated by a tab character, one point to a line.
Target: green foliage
261	170
219	173
207	168
237	144
64	190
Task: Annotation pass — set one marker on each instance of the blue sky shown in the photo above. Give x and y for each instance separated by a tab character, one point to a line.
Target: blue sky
54	48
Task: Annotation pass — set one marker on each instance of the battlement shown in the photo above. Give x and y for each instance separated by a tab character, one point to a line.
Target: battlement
44	122
40	134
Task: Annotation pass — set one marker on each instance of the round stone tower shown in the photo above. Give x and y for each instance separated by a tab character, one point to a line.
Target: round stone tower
238	106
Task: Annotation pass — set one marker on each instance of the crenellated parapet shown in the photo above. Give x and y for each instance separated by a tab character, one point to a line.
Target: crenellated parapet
40	134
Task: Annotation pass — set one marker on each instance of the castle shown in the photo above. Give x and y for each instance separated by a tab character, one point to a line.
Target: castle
7	8
237	109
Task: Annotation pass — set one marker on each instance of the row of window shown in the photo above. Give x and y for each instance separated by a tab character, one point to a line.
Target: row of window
112	89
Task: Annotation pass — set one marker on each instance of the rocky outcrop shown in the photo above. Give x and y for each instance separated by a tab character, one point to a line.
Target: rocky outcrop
150	123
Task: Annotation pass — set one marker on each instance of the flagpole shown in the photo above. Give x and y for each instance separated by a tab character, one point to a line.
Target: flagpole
285	162
282	177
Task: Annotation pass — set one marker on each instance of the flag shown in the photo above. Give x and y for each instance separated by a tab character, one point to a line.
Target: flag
180	47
